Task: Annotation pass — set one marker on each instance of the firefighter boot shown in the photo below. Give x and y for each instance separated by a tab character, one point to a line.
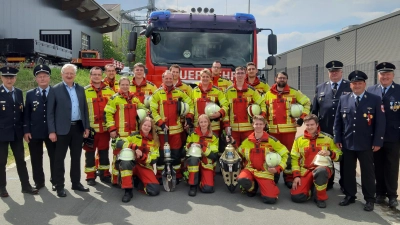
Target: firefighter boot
193	190
128	195
103	177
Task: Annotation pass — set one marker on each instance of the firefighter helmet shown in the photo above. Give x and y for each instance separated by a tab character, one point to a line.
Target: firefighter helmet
296	110
194	150
211	108
253	110
320	160
147	100
141	113
183	109
272	159
126	154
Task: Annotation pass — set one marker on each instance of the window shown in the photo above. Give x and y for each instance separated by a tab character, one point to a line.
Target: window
85	41
59	37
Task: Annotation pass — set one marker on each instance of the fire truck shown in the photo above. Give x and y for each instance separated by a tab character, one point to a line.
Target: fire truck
194	41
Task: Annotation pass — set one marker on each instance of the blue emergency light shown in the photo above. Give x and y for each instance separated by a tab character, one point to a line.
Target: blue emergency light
160	15
244	16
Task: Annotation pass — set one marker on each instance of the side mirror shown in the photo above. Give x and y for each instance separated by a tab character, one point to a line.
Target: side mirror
271	61
149	30
272	44
132	41
156	38
131	57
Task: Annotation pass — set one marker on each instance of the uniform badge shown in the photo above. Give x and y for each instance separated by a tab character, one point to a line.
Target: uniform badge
365	115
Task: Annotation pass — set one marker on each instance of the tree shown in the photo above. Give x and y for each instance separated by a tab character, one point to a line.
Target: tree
123	45
141	50
110	51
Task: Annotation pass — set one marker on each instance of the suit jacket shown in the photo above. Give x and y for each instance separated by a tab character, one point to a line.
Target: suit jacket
359	128
11	115
391	103
60	106
35	114
325	104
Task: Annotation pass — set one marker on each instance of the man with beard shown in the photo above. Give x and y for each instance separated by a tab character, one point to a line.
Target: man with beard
325	102
281	124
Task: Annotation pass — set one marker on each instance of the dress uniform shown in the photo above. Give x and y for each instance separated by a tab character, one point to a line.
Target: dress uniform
35	127
386	160
359	126
325	103
11	132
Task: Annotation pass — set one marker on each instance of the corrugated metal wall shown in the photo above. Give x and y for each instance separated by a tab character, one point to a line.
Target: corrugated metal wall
24	19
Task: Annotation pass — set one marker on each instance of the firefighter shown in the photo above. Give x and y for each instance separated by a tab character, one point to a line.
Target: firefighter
308	173
121	117
110	80
217	80
164	106
256	172
241	96
176	70
146	145
206	93
140	86
97	96
254	81
201	164
281	125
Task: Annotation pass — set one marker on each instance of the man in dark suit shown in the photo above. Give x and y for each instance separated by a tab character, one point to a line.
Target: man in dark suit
359	129
11	131
68	124
35	126
325	103
386	160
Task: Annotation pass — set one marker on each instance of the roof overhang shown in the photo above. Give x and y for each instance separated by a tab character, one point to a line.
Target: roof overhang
91	11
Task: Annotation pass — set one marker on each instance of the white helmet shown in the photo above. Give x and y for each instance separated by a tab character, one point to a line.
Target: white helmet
253	110
184	109
320	160
296	110
211	108
147	100
272	159
126	154
141	113
194	150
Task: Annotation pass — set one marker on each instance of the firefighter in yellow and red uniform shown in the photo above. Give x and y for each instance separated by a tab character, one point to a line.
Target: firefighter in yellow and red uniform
140	86
217	80
121	117
97	96
164	106
240	96
305	172
110	80
205	93
146	145
201	169
281	125
254	81
256	174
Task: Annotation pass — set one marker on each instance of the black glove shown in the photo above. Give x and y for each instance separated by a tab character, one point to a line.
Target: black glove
299	121
189	122
163	126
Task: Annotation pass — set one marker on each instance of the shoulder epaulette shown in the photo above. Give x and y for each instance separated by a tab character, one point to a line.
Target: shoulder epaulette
114	96
135	133
326	134
214	86
106	88
149	82
87	87
273	138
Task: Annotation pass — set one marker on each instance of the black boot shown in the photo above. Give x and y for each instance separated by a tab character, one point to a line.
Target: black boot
193	190
128	195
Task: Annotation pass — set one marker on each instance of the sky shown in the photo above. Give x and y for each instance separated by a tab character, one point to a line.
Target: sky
295	22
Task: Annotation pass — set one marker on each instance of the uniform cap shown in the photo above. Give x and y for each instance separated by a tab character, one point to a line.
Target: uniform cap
385	67
357	75
41	68
334	65
8	71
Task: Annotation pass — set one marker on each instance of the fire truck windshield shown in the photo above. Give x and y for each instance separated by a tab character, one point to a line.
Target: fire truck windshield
202	48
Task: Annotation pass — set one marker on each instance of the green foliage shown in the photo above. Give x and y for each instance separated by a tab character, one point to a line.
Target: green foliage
141	50
110	51
123	46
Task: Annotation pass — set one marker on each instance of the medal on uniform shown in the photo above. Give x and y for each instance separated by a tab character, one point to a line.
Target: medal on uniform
365	115
4	107
391	105
396	106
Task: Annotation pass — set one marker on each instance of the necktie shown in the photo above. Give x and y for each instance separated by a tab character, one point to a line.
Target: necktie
357	100
334	88
384	91
11	95
44	95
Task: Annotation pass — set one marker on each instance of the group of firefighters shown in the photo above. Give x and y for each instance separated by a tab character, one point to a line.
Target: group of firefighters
256	118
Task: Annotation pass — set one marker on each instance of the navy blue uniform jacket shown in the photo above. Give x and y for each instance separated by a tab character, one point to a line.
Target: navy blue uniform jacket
35	115
11	115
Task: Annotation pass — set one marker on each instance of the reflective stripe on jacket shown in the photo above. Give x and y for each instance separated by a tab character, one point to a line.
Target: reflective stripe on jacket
150	152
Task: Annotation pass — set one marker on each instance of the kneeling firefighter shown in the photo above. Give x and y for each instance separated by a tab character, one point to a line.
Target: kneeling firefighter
139	160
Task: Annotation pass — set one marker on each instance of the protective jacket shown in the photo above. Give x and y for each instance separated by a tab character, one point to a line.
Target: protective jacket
306	147
113	84
279	103
222	83
200	99
164	108
97	99
253	153
150	152
239	100
121	113
259	85
145	88
184	87
209	147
